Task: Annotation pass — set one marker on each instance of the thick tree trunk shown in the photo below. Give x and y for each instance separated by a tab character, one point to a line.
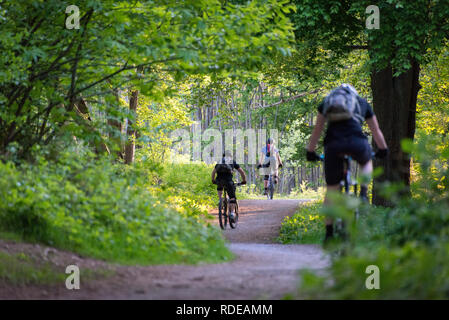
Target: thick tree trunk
130	143
394	100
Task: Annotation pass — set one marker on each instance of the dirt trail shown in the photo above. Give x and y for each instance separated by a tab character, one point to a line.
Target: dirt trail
261	270
260	220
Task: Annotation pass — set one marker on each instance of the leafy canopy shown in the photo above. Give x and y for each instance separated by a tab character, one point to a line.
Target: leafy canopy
46	68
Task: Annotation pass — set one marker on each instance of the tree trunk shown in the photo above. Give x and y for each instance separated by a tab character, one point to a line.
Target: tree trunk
115	135
130	143
80	106
394	100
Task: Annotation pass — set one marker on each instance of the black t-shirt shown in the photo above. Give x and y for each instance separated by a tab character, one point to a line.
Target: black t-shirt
347	128
227	176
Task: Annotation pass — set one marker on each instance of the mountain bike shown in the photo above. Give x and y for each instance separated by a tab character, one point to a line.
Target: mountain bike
223	208
339	224
271	184
346	183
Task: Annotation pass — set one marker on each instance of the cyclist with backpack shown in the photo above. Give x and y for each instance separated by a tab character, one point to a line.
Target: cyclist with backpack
345	111
222	176
270	158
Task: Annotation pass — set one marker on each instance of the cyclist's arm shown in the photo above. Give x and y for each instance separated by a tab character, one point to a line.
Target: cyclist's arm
242	174
319	126
261	158
377	133
279	158
213	175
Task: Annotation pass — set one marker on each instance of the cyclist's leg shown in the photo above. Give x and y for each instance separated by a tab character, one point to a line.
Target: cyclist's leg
219	190
230	188
333	168
362	153
366	171
330	189
333	171
265	183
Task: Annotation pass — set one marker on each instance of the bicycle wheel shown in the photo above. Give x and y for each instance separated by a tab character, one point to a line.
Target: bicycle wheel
271	190
340	229
268	188
222	213
233	224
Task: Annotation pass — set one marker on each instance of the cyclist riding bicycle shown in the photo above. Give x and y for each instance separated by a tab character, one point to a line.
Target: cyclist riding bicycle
269	158
345	111
224	174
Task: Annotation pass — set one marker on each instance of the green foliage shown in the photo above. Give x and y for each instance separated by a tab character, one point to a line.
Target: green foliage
156	121
249	191
305	226
110	211
409	272
307	191
407	29
20	269
408	242
433	98
189	185
46	68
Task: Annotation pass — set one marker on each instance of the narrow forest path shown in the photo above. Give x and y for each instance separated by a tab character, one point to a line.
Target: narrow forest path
262	268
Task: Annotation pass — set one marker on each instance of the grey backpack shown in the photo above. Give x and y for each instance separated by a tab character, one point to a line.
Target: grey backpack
342	104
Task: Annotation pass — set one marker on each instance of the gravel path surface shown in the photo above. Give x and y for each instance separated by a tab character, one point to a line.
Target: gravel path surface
262	269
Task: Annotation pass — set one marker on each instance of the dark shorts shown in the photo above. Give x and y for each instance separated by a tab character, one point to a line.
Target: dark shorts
334	152
266	177
228	185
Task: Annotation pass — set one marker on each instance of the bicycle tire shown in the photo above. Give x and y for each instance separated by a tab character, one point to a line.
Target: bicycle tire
233	224
340	229
267	192
270	191
222	215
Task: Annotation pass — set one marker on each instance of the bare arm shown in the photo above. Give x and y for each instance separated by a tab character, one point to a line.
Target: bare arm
261	158
279	159
377	133
242	174
316	133
213	175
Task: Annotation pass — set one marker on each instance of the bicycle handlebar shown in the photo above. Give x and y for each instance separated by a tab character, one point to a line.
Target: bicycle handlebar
321	158
237	184
373	156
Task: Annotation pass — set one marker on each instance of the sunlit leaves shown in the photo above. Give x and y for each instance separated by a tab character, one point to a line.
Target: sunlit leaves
407	28
114	40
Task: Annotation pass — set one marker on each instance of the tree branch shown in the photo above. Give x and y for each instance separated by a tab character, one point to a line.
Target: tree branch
125	67
358	47
291	98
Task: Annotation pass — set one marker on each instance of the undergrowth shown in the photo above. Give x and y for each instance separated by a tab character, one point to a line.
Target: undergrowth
141	214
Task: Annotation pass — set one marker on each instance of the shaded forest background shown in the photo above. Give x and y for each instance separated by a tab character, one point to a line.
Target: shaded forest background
86	116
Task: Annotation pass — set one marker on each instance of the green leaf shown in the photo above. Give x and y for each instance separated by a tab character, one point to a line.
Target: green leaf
407	145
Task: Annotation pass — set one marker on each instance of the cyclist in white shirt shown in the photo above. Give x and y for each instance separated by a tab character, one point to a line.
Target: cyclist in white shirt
269	158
